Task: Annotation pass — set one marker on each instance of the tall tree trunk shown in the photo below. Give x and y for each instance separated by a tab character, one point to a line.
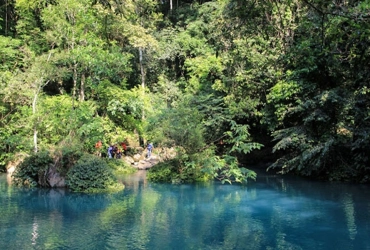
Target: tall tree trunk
74	90
82	87
34	111
142	70
34	102
6	17
38	88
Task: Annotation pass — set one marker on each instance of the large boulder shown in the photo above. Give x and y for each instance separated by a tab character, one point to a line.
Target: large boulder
166	153
129	160
138	157
12	165
10	170
51	178
54	179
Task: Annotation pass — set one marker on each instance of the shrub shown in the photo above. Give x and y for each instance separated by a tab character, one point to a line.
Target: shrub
66	157
32	169
227	169
91	174
175	171
163	172
199	169
120	166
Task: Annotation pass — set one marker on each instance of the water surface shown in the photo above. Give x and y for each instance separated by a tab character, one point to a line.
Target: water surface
273	212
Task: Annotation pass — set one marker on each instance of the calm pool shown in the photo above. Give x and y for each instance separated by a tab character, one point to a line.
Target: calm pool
271	213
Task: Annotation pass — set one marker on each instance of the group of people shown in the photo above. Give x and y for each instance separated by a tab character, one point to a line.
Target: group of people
116	151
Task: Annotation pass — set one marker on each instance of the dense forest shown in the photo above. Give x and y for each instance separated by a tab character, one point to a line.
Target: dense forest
226	82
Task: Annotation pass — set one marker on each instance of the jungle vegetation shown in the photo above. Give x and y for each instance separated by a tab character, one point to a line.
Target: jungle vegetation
225	82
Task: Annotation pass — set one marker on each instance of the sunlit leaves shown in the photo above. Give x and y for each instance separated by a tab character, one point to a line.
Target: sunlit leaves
239	138
284	95
11	54
203	70
227	170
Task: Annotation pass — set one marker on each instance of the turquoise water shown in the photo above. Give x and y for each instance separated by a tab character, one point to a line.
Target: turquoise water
271	213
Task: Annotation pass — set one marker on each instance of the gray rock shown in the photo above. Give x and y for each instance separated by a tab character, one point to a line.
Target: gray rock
129	159
138	157
54	179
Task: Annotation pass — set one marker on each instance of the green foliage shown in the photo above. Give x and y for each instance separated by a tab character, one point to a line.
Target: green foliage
66	157
296	70
317	102
32	169
91	174
201	69
28	25
239	138
177	171
165	172
83	172
58	121
227	169
202	167
120	167
10	53
124	107
179	126
284	96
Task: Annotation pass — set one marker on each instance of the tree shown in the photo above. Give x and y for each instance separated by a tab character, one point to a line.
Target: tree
316	102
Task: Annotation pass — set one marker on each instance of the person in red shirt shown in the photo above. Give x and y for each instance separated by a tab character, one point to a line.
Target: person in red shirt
124	147
98	147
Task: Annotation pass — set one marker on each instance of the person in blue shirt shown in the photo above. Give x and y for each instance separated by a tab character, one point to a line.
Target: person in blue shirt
150	149
110	151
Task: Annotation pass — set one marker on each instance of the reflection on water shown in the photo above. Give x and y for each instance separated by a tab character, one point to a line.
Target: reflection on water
35	233
271	213
349	211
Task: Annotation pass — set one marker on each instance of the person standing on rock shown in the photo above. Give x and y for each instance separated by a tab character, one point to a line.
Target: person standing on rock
149	148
